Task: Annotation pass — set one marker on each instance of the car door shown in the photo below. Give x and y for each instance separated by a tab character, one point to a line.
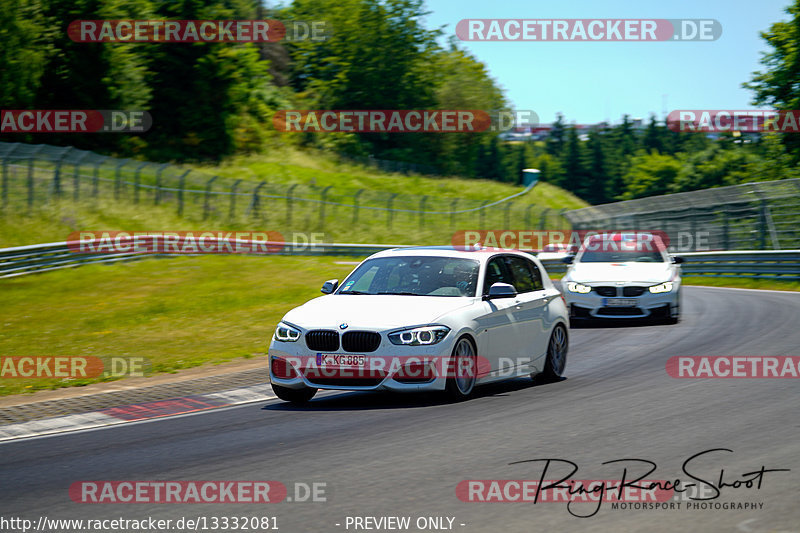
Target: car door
530	308
498	341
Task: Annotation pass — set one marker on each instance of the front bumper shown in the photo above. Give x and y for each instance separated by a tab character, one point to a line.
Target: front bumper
381	372
647	305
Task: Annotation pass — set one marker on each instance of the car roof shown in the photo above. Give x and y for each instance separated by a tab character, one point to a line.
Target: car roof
479	253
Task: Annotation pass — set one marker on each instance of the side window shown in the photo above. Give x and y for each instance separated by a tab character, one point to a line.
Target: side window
496	272
521	272
537	276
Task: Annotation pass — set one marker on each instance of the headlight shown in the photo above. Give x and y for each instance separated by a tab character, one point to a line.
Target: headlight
577	287
664	287
419	336
286	333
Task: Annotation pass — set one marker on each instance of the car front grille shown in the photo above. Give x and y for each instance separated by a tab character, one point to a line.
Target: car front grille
620	311
361	341
606	291
322	340
633	291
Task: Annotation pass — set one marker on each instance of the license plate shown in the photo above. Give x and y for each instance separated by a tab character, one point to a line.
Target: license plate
341	360
621	302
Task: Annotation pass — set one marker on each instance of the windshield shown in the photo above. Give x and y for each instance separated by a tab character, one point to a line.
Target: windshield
620	256
414	276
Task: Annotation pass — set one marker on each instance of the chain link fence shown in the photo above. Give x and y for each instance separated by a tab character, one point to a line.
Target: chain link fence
752	216
35	175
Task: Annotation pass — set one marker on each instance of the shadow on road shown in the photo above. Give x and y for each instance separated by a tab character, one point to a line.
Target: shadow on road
610	323
367	400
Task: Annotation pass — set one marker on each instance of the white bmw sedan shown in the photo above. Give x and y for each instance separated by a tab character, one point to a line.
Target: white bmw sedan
623	276
427	318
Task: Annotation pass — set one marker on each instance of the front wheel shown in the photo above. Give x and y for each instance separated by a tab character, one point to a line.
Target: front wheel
556	354
463	370
295	396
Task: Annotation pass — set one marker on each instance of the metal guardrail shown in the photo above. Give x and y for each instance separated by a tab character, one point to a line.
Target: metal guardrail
770	264
22	260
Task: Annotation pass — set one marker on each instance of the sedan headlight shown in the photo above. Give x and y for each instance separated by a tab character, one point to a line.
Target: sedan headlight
573	286
664	287
286	333
422	336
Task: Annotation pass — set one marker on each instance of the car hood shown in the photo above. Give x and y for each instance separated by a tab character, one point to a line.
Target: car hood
621	272
374	312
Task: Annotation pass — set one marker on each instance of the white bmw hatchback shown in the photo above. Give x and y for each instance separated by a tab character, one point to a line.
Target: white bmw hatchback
424	319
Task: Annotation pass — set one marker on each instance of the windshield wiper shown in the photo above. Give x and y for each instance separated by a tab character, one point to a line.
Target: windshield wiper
402	293
354	292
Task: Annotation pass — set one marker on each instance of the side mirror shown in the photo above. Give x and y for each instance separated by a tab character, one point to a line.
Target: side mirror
501	290
329	286
568	259
677	259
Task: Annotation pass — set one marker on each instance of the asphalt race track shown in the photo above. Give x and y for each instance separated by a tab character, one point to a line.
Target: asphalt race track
382	455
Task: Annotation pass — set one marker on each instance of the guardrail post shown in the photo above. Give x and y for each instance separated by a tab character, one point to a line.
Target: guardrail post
289	202
323	198
356	207
254	204
157	193
390	211
96	178
118	178
543	218
136	180
762	225
422	211
181	183
207	198
232	209
57	178
725	229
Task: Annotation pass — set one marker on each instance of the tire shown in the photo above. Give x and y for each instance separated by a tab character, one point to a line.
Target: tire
460	387
557	350
674	319
295	396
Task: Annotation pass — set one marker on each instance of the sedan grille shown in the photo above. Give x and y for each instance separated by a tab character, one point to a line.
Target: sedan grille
606	291
361	341
620	311
322	340
633	291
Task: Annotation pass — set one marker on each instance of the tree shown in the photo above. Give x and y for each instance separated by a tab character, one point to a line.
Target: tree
650	174
779	84
556	137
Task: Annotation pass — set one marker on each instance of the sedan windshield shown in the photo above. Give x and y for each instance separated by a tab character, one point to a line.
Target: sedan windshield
621	256
414	276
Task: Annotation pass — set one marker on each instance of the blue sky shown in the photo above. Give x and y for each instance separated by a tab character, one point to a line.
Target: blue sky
594	81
